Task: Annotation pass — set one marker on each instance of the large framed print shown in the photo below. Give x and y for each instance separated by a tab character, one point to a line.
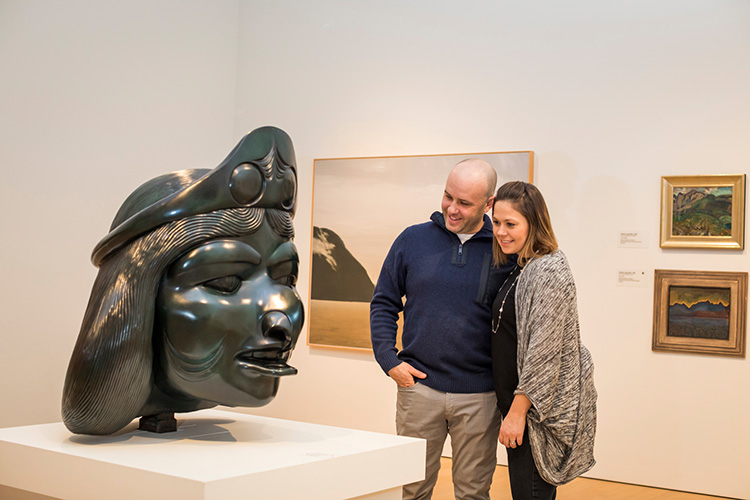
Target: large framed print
360	206
703	211
703	312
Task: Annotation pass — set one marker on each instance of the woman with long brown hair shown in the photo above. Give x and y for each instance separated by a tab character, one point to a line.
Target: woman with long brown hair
543	374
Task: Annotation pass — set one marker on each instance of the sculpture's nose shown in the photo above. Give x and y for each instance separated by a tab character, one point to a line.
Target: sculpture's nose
276	326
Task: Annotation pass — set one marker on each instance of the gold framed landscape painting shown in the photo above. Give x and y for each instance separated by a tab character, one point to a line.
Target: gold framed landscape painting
360	206
703	211
703	312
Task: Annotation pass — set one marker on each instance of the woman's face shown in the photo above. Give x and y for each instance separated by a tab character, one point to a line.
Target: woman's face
511	229
228	316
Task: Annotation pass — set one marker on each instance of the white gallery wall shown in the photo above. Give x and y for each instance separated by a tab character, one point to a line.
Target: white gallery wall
97	97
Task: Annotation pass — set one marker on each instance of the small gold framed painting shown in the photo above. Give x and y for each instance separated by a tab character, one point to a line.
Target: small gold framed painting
703	312
703	211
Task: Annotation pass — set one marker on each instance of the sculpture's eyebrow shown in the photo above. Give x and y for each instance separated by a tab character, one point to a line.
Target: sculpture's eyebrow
216	252
286	251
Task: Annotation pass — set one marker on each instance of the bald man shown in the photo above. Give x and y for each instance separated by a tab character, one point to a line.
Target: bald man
444	370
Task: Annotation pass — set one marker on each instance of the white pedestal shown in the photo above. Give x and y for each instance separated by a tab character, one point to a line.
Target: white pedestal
214	455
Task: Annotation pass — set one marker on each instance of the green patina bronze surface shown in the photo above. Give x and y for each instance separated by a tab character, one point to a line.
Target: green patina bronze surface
195	302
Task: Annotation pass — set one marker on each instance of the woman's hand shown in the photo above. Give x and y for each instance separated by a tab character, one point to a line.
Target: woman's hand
514	424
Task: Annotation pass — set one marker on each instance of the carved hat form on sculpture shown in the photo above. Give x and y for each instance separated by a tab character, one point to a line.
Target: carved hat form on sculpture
194	304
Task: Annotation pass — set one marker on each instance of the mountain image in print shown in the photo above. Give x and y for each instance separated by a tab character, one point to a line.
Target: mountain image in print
703	319
704	309
685	200
697	213
336	273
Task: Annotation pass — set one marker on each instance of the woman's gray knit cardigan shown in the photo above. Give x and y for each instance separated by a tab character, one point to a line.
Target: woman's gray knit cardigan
555	370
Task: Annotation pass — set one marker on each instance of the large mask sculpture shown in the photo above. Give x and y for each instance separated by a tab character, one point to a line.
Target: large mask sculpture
195	302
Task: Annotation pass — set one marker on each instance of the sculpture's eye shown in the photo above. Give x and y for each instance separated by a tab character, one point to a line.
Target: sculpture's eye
285	273
225	284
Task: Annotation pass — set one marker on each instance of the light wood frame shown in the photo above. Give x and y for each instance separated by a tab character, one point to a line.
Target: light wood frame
379	197
735	240
735	282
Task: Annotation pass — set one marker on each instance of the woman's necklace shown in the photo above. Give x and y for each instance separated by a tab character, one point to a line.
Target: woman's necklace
507	292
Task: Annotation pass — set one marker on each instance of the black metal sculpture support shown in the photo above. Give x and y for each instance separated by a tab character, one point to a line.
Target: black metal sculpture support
163	422
195	302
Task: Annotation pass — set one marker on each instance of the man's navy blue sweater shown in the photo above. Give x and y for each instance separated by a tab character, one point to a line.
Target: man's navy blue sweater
449	287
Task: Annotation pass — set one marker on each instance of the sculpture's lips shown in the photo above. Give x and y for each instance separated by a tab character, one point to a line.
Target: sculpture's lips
270	362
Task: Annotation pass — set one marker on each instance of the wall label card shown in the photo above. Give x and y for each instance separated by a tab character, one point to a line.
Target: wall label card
632	239
632	278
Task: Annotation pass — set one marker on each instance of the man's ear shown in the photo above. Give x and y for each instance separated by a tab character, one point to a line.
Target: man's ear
490	202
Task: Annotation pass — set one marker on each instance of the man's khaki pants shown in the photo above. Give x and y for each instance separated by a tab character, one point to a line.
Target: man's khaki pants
473	422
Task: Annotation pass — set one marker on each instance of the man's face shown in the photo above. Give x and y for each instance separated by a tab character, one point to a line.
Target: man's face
464	203
229	316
